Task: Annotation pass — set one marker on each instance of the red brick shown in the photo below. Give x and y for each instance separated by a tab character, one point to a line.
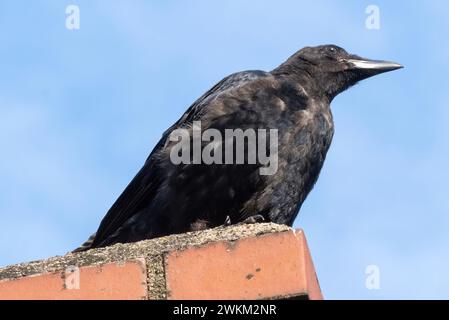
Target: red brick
268	266
111	281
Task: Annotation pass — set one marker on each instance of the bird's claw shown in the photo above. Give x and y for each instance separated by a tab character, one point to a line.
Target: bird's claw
227	221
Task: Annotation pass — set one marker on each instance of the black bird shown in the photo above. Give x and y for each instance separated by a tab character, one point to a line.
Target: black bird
166	198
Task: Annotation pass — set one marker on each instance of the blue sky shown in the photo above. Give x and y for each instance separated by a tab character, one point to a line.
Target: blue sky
80	110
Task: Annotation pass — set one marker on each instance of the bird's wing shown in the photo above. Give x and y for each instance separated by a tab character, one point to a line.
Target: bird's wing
230	82
140	191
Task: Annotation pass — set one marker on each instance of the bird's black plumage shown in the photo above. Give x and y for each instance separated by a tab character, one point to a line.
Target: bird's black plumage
165	198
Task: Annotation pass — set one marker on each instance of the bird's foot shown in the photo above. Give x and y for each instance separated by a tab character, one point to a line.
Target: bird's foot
253	219
250	220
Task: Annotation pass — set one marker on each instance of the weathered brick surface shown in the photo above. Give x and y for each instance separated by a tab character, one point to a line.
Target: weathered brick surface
114	281
261	261
273	265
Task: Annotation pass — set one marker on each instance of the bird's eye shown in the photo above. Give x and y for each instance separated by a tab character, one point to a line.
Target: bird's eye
332	50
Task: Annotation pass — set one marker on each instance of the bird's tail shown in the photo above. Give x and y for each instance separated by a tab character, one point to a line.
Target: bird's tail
86	245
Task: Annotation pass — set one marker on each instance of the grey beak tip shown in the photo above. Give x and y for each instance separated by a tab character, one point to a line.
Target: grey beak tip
379	65
396	66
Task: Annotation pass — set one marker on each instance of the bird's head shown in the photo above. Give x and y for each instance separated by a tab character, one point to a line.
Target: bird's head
333	70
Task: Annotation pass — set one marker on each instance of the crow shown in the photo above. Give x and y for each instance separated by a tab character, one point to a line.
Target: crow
294	99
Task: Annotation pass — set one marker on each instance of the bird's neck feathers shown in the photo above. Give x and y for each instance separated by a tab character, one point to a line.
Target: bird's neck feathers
303	75
336	83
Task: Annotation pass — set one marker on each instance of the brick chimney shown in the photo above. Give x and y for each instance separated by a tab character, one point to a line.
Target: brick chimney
258	261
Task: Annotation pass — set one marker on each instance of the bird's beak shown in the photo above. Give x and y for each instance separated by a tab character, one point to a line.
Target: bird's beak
372	67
